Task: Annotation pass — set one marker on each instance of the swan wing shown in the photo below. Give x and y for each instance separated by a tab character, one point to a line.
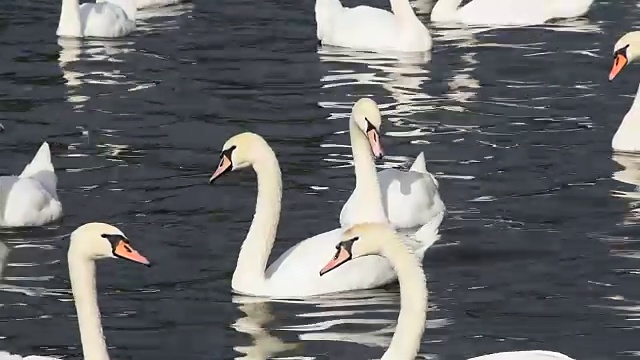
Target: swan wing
524	355
26	202
410	198
105	20
503	12
297	271
362	27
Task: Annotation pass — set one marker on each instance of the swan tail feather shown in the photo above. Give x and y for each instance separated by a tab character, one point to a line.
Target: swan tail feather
428	234
419	164
41	162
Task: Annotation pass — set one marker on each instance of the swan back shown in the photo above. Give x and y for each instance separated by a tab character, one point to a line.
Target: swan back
41	169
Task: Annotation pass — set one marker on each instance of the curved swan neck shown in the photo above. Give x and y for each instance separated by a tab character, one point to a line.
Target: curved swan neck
413	301
82	272
367	194
70	24
445	10
254	254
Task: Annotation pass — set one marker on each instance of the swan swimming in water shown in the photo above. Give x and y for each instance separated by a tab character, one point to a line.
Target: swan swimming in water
90	242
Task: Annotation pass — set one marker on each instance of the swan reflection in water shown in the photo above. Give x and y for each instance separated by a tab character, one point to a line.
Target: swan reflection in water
99	58
332	318
4	254
629	174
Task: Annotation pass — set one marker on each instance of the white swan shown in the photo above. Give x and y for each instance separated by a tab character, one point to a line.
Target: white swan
30	199
142	4
295	273
410	198
367	28
508	12
107	19
626	50
363	240
90	242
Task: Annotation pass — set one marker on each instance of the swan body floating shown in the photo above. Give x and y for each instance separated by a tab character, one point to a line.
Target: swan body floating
368	28
90	242
142	4
106	19
295	273
30	199
508	12
364	240
625	51
410	198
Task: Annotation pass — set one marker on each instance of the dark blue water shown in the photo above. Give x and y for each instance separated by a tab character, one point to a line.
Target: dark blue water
540	249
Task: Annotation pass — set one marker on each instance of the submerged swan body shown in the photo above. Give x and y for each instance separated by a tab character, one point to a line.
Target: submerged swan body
30	199
106	18
507	12
409	198
625	51
368	28
294	273
364	240
90	242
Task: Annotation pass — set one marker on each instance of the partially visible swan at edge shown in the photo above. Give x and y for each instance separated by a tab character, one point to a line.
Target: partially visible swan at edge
30	199
142	4
295	273
90	242
367	28
508	12
410	198
107	19
625	51
363	240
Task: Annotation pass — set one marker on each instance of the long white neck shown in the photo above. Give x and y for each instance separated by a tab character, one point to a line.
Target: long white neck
70	23
445	10
625	138
82	272
367	194
413	301
403	9
249	276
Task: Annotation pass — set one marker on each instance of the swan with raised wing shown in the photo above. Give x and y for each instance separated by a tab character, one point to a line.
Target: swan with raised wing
364	240
368	28
30	199
106	19
507	12
410	198
294	273
625	51
90	242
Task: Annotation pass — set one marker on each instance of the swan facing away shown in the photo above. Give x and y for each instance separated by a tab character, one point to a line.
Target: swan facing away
625	51
30	199
363	240
295	273
90	242
508	12
106	18
410	198
368	28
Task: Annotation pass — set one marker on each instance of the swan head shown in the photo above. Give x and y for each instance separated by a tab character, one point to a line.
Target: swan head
358	241
626	50
366	115
239	152
96	241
